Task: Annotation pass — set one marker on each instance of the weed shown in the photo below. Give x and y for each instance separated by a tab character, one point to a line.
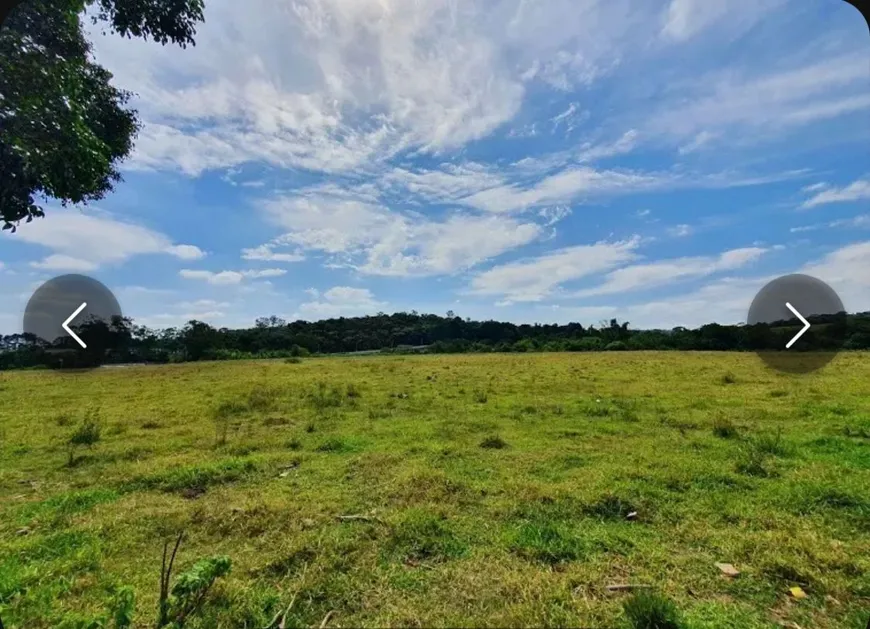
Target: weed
494	442
610	507
753	462
547	542
197	477
188	595
229	409
262	399
123	604
648	610
724	428
325	396
353	391
335	444
87	434
294	444
772	444
293	360
481	397
861	433
728	378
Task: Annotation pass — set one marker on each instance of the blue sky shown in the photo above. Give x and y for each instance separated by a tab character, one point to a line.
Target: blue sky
551	161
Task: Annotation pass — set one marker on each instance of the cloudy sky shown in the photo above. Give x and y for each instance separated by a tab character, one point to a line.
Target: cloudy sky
549	160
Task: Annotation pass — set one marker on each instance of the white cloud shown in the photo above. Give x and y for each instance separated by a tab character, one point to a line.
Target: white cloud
266	253
450	182
200	304
339	301
186	252
702	139
200	315
855	191
228	277
87	241
684	19
658	274
804	228
815	187
568	120
377	241
566	186
680	231
535	279
765	103
861	221
727	300
625	144
60	262
845	270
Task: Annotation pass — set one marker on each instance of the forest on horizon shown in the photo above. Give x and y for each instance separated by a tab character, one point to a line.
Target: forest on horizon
122	341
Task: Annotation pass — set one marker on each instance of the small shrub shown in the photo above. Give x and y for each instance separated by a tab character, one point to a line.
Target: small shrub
334	444
493	442
648	610
481	397
353	391
728	378
123	604
310	427
191	588
150	425
262	399
772	444
725	428
754	463
276	421
63	420
294	444
87	434
293	360
324	397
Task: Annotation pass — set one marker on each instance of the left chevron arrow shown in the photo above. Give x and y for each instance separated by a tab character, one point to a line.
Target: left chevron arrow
65	325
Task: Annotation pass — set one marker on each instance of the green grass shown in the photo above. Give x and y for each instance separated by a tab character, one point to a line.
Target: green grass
459	490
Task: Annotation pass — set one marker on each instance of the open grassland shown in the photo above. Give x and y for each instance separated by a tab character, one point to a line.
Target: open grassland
486	490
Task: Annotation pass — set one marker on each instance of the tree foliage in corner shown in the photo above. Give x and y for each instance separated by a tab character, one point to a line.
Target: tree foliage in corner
64	128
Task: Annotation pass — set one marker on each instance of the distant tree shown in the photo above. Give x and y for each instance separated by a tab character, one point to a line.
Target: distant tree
198	338
64	127
270	322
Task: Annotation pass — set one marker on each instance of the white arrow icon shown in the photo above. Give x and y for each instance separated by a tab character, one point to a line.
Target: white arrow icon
802	330
65	325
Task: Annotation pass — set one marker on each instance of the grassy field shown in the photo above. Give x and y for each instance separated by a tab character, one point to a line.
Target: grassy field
486	490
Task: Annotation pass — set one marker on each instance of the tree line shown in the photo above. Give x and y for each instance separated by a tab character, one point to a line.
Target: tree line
122	341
